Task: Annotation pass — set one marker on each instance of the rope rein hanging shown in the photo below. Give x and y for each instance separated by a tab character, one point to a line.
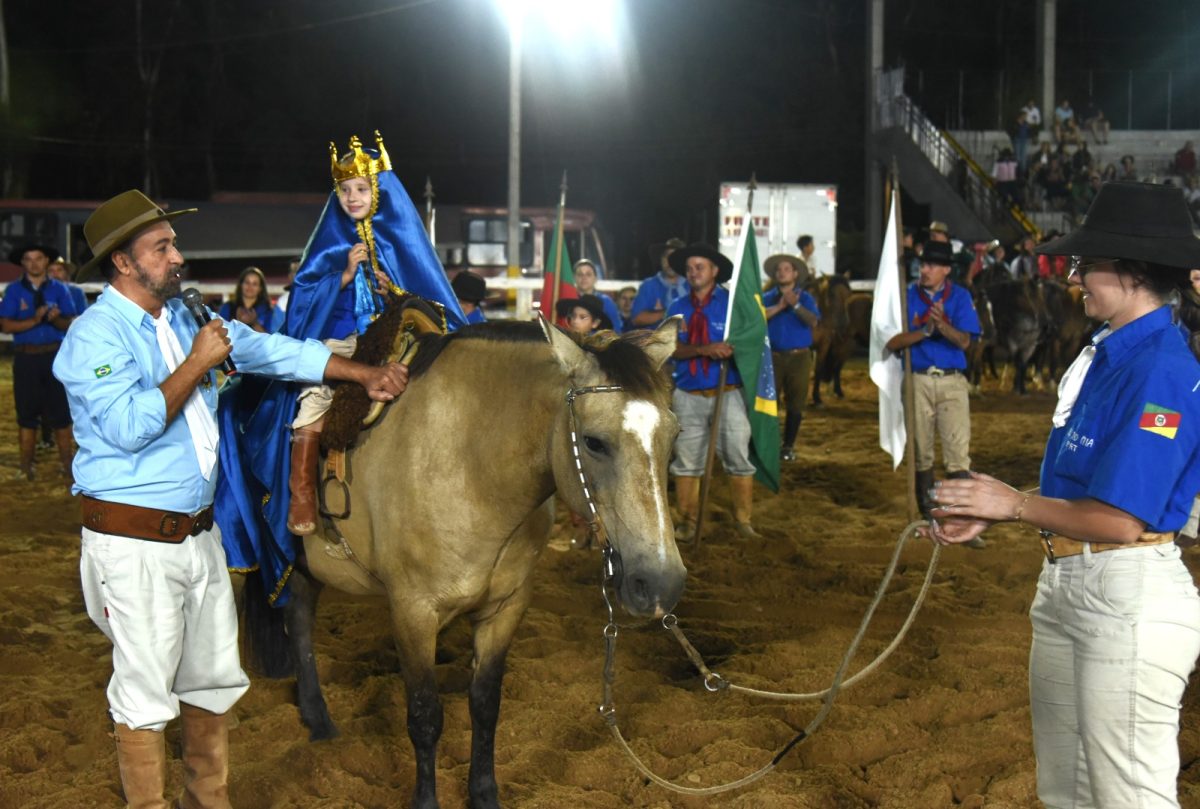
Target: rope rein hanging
595	524
714	682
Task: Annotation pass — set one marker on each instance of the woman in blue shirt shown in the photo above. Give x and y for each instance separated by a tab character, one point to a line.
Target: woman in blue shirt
791	315
1116	618
249	303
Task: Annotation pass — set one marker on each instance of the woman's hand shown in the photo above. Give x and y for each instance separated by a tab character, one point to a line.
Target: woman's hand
249	317
980	497
954	530
357	255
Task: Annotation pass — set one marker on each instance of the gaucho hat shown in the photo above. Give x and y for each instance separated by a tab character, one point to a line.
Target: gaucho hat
678	260
591	303
117	221
469	287
49	252
771	266
1139	221
937	253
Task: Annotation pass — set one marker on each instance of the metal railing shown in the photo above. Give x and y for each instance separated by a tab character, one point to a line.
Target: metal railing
968	179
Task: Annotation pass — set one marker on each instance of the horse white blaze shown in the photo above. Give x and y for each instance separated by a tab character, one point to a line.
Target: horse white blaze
640	418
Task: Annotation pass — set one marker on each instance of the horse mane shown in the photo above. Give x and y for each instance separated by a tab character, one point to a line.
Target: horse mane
622	358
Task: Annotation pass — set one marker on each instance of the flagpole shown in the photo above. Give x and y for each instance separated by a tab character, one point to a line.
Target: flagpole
909	397
429	207
558	248
715	427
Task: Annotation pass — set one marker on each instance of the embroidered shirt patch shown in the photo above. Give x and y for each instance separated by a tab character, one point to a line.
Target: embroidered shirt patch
103	371
1159	420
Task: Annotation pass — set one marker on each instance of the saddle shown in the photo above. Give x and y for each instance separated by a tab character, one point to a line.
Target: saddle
392	337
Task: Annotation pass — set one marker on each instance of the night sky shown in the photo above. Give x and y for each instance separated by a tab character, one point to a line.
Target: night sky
696	92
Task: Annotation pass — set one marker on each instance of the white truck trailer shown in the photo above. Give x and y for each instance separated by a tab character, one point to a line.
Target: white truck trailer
782	213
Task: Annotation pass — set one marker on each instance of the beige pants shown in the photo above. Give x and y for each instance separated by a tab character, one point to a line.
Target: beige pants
942	408
315	399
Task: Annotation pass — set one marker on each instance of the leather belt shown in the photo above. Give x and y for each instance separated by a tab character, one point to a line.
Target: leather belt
711	393
935	371
1059	547
793	350
35	348
136	522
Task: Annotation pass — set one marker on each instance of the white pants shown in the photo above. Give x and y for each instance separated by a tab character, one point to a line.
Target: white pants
314	401
169	612
1115	636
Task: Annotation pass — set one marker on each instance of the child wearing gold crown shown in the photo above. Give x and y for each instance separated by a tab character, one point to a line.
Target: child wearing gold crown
368	244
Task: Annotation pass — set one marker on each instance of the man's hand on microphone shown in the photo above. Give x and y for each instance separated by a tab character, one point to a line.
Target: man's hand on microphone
211	345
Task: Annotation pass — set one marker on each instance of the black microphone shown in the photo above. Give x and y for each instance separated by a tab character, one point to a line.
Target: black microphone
194	301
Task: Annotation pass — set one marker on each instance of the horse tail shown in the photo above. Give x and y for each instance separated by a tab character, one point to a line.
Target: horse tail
268	651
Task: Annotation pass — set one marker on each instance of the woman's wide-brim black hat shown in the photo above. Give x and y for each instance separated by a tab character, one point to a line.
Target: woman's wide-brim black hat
678	260
1138	221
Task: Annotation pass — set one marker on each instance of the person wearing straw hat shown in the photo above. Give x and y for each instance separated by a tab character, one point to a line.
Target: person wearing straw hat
140	378
36	311
697	374
1116	618
792	314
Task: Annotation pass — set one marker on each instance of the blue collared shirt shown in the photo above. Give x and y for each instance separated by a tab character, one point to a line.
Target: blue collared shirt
476	316
658	292
111	366
1133	435
20	303
715	310
786	330
937	351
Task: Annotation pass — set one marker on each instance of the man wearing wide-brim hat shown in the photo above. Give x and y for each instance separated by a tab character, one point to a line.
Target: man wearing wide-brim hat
470	288
140	378
36	311
792	313
942	323
658	292
698	357
1116	616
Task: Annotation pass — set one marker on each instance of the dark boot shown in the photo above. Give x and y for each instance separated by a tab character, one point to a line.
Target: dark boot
791	429
142	758
205	759
924	484
302	483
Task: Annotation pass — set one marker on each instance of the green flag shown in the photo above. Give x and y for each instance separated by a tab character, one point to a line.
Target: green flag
746	331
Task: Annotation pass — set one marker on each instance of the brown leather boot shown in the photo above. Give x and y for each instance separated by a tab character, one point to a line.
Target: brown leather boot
302	511
142	757
743	505
687	498
205	759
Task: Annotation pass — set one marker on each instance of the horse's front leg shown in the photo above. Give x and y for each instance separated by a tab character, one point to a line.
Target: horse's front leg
492	638
416	630
299	616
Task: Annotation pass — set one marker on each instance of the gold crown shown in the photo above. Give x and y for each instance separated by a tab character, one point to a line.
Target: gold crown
358	163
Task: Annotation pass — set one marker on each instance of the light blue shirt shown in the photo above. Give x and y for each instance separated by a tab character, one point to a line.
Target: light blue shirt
111	366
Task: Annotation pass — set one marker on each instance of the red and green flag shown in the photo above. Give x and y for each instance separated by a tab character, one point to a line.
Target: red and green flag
558	280
746	331
1159	420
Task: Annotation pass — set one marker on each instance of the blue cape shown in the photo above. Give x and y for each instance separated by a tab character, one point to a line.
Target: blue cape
252	494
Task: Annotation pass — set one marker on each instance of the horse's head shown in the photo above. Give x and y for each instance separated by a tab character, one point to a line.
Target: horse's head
624	439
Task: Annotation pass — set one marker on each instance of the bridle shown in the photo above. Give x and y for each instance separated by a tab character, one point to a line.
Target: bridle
612	559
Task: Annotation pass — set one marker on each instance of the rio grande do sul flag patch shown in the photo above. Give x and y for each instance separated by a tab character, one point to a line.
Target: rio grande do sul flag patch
1159	420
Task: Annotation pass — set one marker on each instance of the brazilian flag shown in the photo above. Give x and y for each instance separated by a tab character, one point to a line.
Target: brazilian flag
746	331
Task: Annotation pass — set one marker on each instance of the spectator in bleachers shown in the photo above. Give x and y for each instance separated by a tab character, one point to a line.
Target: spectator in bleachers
1024	264
1004	172
1128	173
1191	193
1066	128
1055	186
1109	175
1081	161
1021	134
1033	115
1084	191
1185	160
1093	118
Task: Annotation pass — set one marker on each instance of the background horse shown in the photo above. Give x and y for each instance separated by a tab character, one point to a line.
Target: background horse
833	338
451	503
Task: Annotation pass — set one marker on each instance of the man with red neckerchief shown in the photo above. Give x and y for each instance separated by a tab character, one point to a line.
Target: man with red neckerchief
941	324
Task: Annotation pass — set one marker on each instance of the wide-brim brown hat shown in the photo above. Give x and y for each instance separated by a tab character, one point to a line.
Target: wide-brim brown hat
118	220
49	252
591	303
771	266
678	260
1138	221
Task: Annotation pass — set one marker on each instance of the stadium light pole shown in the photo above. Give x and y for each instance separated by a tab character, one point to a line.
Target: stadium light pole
564	16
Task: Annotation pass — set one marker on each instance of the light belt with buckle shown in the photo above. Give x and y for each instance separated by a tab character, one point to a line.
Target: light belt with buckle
1059	547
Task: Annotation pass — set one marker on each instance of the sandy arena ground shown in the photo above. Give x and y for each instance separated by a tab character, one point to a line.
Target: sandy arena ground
945	721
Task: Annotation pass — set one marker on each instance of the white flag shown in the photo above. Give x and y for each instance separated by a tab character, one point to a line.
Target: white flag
887	368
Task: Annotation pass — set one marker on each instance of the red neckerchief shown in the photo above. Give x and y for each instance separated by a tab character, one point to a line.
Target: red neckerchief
698	330
929	302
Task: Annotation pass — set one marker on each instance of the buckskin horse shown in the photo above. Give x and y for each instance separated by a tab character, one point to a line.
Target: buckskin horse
441	529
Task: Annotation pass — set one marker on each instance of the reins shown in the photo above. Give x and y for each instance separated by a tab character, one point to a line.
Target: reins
595	524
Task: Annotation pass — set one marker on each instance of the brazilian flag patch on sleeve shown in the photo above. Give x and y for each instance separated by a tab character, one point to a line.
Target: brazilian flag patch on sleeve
103	371
1159	420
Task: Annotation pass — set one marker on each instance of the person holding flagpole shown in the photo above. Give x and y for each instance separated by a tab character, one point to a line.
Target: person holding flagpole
941	324
701	350
1116	618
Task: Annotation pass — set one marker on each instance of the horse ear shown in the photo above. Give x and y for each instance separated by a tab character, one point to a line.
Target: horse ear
662	342
569	354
